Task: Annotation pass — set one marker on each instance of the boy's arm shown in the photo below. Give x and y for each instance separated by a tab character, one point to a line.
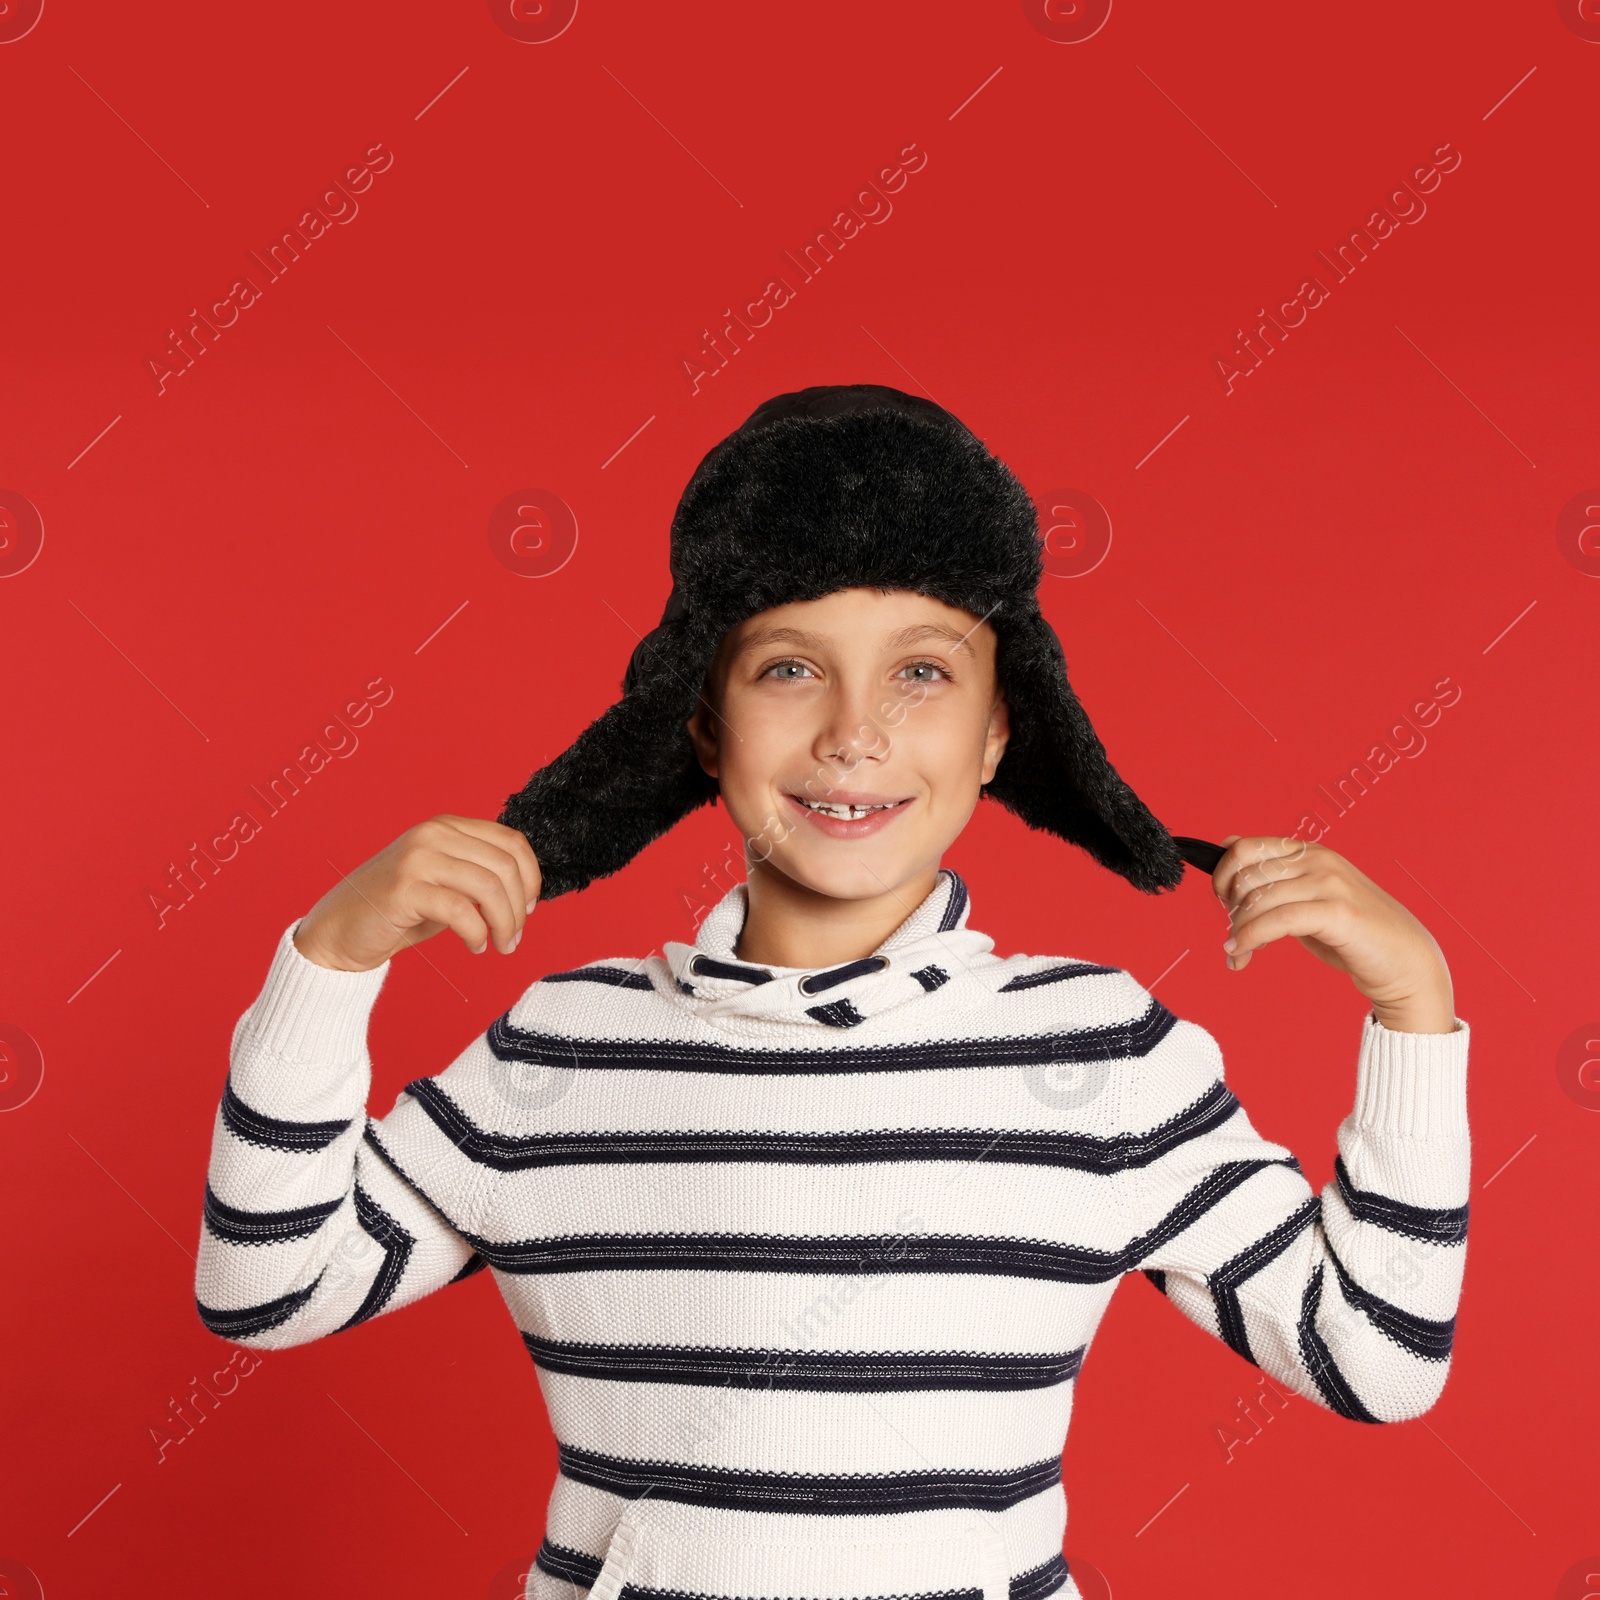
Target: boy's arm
307	1229
1347	1297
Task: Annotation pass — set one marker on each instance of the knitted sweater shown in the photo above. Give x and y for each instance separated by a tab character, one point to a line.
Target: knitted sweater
808	1260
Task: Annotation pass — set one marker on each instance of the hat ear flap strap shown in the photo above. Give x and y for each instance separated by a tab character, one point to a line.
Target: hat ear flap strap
1198	853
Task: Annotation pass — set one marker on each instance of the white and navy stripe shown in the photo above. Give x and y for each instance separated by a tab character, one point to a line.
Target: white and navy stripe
812	1259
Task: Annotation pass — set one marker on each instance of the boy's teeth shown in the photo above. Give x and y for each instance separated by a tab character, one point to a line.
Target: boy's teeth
849	812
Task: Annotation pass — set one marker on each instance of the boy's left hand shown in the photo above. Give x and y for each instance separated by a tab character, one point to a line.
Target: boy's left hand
1271	886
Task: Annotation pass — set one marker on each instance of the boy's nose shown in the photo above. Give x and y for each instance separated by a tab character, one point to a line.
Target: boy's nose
849	730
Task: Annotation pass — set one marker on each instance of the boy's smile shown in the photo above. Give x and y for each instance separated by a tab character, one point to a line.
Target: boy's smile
850	737
848	813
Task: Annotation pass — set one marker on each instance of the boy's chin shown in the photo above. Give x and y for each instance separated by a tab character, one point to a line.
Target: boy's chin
844	871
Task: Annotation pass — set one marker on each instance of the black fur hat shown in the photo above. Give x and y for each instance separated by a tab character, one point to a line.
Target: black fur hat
833	487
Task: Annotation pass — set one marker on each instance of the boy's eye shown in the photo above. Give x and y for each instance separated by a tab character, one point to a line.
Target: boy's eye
790	663
775	669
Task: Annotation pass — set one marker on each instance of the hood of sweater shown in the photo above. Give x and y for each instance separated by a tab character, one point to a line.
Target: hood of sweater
932	945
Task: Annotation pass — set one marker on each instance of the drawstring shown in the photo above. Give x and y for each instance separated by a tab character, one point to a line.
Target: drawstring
818	981
704	966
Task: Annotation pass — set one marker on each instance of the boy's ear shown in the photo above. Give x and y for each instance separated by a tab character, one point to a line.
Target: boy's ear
998	737
703	737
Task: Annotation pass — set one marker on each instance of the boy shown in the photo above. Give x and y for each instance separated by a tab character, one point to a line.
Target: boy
807	1226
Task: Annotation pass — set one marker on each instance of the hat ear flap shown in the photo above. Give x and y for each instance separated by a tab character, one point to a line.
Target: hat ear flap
831	487
1055	774
628	778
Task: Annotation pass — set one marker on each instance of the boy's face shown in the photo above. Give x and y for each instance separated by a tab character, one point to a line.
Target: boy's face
864	696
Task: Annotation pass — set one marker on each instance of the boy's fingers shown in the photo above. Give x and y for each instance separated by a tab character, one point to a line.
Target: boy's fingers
1252	886
513	843
1256	902
1259	858
472	839
487	888
1305	918
454	909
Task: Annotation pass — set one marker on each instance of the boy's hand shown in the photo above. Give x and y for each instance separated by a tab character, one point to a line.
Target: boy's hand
1273	886
464	873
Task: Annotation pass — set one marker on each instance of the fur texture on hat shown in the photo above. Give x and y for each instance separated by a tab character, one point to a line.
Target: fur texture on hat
836	487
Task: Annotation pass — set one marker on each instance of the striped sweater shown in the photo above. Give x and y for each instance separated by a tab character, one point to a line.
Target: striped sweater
807	1260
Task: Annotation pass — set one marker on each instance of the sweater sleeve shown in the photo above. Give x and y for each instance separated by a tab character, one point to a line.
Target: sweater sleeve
318	1217
1347	1297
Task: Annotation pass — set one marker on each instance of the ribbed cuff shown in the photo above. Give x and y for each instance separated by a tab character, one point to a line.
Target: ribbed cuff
308	1012
1412	1084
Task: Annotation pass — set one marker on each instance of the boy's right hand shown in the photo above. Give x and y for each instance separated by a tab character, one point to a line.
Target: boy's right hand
480	878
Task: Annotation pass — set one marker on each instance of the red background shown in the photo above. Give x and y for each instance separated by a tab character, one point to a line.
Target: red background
307	507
